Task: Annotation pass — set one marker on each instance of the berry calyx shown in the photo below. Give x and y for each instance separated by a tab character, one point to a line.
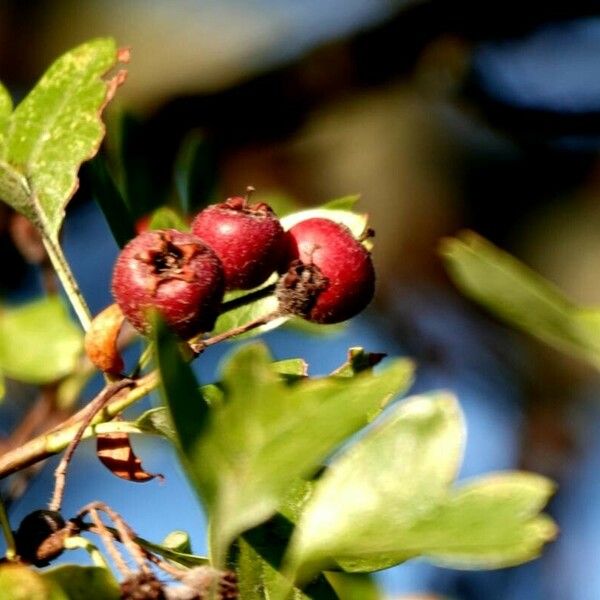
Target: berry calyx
248	239
330	276
171	272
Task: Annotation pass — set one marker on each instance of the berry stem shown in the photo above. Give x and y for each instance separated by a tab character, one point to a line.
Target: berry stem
76	542
201	345
11	549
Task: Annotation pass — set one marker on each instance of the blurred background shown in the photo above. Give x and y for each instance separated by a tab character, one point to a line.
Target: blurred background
443	115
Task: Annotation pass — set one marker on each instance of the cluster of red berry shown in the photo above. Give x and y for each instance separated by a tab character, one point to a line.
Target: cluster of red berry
327	274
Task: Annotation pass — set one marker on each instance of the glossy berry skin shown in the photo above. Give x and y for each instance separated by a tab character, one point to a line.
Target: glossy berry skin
248	239
172	272
33	537
339	265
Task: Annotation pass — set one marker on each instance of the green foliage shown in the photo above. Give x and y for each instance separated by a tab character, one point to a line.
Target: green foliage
176	548
245	313
167	218
178	541
247	451
111	201
347	203
18	582
364	518
69	582
196	170
296	506
354	586
356	222
522	297
39	343
52	131
84	583
6	107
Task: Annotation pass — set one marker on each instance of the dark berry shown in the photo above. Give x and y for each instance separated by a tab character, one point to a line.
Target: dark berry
171	272
330	277
248	239
36	539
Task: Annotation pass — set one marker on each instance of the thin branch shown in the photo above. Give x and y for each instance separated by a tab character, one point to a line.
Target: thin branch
92	409
11	548
146	548
58	439
107	540
201	345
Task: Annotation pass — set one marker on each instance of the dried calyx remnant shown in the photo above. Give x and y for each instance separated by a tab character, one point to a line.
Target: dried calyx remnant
298	289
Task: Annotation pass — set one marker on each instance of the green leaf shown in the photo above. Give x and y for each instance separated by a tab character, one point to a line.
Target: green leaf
314	329
145	183
266	434
521	297
394	475
111	201
6	106
166	218
178	541
356	222
18	582
343	203
249	312
49	343
157	421
354	586
53	130
291	369
175	549
84	583
257	566
196	169
187	408
489	523
358	361
259	554
387	500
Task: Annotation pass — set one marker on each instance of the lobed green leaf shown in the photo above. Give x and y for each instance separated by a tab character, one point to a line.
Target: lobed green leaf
396	473
266	434
388	499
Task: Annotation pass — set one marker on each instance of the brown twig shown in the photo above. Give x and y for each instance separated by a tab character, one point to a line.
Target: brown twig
92	409
201	345
58	438
107	539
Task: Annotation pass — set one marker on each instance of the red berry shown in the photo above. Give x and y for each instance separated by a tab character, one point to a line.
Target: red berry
331	276
176	274
247	238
